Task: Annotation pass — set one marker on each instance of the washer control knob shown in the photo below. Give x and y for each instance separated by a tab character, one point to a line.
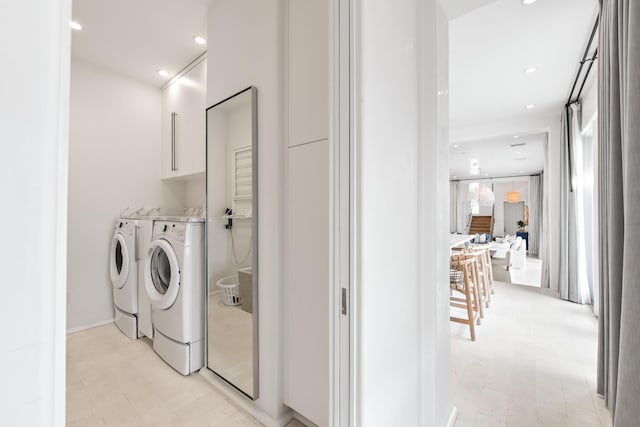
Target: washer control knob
164	228
120	226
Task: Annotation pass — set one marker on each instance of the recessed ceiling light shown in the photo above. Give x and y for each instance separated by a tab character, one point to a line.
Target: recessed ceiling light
75	25
516	136
163	73
199	40
530	70
528	2
530	107
456	145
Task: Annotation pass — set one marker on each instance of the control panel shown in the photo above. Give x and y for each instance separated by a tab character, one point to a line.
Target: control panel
124	226
175	230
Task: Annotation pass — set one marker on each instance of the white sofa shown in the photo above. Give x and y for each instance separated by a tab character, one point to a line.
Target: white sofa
518	253
512	250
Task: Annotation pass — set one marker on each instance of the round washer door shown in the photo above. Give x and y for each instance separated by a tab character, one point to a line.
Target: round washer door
161	274
118	261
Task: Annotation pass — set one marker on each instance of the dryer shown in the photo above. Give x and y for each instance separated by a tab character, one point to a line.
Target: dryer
174	272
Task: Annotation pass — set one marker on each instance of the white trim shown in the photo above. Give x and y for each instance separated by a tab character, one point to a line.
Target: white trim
193	64
453	416
89	326
241	400
340	89
304	420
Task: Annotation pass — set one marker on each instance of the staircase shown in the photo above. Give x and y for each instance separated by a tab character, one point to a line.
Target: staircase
481	224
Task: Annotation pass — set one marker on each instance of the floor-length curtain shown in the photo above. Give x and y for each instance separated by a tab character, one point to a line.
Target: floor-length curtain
545	254
619	209
572	280
535	213
453	206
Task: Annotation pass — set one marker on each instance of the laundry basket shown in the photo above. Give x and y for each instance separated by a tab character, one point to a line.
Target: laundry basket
230	290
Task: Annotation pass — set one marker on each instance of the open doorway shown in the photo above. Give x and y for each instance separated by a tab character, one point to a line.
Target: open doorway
512	170
512	65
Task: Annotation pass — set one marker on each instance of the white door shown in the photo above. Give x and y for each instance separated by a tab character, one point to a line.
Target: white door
162	274
118	261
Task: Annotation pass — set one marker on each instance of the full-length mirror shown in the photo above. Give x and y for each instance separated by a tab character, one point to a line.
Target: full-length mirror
232	192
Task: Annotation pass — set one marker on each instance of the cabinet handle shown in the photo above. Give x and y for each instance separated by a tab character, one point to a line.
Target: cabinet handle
173	142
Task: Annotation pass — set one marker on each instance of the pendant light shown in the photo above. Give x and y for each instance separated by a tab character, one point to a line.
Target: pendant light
512	196
486	196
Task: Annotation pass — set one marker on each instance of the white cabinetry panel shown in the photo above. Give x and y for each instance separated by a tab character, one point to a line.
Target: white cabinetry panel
308	71
186	97
307	282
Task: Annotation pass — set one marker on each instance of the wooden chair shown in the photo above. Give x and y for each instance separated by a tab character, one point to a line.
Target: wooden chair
488	267
482	273
465	284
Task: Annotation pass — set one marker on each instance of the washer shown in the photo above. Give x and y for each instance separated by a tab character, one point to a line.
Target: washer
174	280
123	269
132	308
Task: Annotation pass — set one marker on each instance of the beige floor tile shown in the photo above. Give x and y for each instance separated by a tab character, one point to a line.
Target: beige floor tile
533	363
114	381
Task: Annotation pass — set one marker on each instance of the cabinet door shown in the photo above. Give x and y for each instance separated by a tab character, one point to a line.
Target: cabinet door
186	97
308	71
307	282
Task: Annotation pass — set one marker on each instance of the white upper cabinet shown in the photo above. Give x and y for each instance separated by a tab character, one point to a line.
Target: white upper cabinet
308	71
184	124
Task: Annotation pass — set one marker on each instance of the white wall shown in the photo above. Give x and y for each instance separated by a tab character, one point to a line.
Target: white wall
114	162
33	119
255	58
402	310
195	193
500	189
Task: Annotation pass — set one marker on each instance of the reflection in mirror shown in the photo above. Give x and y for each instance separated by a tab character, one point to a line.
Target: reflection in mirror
232	315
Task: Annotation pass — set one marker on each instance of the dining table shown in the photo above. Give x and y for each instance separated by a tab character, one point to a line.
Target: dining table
456	240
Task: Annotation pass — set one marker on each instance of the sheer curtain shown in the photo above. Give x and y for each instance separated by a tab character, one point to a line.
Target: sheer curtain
619	209
572	283
453	206
535	213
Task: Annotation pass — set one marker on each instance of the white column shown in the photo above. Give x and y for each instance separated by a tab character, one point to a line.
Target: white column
35	51
401	342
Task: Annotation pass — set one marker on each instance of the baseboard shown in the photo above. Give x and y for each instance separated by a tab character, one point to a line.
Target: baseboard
303	419
452	417
551	292
246	404
85	327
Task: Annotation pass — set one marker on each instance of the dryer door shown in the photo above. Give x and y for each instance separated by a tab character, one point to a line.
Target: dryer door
118	261
161	274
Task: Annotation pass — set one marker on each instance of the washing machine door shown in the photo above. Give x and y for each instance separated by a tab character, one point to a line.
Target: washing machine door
162	274
118	261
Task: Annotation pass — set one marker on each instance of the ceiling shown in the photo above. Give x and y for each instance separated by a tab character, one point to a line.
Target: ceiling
455	8
492	45
137	37
498	157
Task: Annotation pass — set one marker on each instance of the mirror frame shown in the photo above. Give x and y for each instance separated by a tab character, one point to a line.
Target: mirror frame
254	230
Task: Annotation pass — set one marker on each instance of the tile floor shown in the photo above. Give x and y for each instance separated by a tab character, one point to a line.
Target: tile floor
113	381
529	276
533	364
